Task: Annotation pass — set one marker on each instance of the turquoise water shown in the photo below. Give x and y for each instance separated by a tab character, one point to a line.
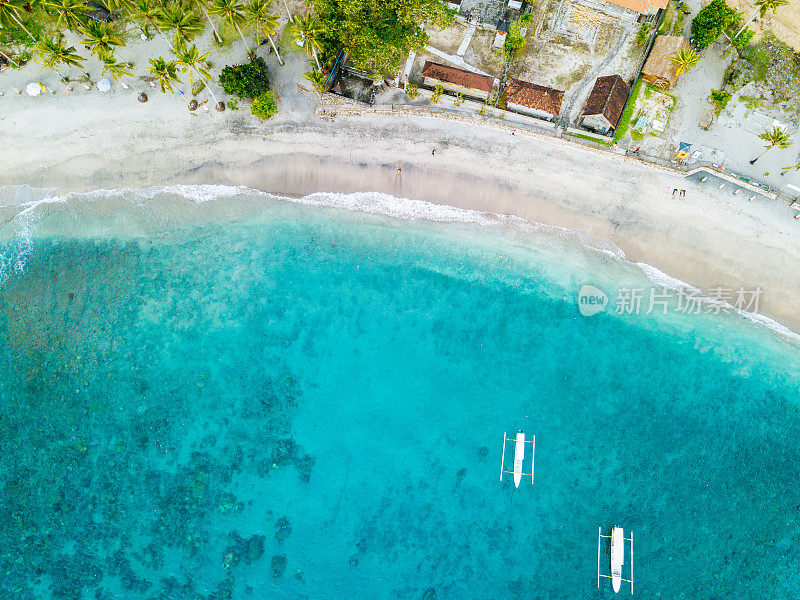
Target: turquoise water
252	398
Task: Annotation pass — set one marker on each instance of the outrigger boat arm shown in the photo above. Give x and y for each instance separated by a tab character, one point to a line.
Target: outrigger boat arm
623	539
519	455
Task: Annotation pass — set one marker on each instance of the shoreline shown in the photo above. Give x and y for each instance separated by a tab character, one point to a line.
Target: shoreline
706	239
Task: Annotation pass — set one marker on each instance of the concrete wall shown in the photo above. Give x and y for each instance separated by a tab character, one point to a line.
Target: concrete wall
455	88
539	114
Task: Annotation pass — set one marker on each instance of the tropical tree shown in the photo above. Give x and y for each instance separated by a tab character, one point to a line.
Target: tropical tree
711	21
378	35
165	71
71	13
774	137
9	13
9	59
117	6
121	71
54	53
794	167
100	37
684	59
762	8
180	18
231	11
190	60
307	32
259	17
317	78
203	6
149	12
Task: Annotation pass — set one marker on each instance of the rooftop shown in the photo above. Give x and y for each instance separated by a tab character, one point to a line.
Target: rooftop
532	95
640	6
456	76
608	98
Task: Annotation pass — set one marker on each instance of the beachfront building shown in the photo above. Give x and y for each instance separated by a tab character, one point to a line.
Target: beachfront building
515	4
604	107
533	99
659	69
458	80
628	10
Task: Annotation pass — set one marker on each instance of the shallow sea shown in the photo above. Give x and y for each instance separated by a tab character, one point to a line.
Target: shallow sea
211	393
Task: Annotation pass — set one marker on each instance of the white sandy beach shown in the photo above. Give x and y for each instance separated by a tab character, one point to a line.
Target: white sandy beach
86	140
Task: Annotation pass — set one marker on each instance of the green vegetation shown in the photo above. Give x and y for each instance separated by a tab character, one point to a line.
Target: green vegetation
377	35
249	80
643	34
265	106
794	167
712	20
720	100
625	119
588	137
514	39
773	137
637	136
775	66
411	91
685	59
753	102
317	78
165	72
437	93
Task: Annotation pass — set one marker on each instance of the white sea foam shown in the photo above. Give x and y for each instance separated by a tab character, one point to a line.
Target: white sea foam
376	203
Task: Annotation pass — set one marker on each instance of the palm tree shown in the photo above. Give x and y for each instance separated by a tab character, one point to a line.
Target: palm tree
119	70
55	52
181	19
762	7
100	37
9	11
684	59
165	72
794	167
318	78
231	11
203	5
307	32
148	11
258	16
71	13
190	60
774	137
9	59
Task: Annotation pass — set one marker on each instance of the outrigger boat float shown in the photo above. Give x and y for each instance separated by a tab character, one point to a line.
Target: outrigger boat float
519	457
618	540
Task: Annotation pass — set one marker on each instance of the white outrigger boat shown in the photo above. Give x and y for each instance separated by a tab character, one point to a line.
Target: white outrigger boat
618	540
519	457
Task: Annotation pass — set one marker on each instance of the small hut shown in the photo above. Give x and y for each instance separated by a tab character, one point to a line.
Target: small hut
659	69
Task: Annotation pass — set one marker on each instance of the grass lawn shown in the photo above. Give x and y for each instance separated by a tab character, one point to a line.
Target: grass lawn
588	137
625	119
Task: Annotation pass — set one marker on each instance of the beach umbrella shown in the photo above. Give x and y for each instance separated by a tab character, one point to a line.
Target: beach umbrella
34	89
104	85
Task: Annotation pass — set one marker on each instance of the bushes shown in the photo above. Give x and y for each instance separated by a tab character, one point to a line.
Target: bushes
720	99
249	80
711	21
265	106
